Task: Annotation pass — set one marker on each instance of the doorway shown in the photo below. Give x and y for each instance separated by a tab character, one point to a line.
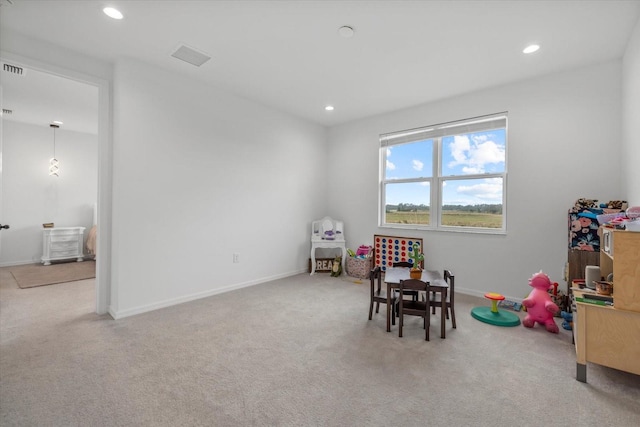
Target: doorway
46	92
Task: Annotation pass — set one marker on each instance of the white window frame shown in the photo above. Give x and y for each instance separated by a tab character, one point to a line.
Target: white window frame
437	133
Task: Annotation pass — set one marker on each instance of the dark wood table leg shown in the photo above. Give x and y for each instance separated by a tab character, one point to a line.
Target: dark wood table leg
388	307
443	312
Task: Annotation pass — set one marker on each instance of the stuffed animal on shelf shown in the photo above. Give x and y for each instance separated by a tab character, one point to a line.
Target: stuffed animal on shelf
336	268
539	306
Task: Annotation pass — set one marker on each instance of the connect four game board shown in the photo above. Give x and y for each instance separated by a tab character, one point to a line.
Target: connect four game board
389	249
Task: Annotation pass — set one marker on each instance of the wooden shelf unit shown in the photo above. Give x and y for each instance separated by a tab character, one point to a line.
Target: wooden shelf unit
624	263
609	335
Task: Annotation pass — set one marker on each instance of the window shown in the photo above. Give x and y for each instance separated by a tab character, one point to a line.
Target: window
450	176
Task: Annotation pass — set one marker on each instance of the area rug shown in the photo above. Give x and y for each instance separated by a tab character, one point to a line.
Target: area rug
32	275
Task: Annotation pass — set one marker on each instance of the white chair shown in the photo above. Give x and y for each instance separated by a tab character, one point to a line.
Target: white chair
327	233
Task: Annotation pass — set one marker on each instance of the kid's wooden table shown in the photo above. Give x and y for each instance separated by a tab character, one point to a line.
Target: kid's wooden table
394	275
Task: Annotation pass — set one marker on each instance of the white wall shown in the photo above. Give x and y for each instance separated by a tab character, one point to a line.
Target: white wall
200	174
631	119
564	143
31	197
175	233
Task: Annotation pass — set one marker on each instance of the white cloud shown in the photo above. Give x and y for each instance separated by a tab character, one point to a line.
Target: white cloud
470	170
459	147
489	190
475	155
487	152
390	165
417	165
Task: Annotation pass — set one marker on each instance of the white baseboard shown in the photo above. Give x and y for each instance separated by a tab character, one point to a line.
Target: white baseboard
168	303
16	263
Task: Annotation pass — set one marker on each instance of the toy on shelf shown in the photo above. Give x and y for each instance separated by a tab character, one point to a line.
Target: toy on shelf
558	298
586	216
540	308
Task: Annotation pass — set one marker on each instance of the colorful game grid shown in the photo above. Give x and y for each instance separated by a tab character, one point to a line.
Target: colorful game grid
389	249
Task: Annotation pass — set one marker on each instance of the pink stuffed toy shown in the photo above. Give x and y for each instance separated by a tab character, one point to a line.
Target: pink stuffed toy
540	308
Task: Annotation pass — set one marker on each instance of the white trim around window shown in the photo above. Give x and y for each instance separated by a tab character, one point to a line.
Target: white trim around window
450	176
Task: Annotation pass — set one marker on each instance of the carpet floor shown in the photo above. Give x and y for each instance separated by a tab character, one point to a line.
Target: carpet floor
298	351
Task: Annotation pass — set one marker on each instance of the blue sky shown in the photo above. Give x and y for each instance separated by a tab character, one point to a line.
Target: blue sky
474	153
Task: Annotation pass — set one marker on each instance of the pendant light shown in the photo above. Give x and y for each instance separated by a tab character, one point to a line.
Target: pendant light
53	163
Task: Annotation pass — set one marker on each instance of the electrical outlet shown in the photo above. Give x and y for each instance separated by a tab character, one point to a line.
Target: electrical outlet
236	258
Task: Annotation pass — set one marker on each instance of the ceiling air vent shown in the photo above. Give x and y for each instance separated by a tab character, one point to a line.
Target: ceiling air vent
191	55
12	69
7	112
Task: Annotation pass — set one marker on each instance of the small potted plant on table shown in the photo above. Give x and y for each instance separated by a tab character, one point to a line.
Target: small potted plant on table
417	257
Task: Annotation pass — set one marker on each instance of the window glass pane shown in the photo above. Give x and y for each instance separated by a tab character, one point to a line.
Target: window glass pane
411	160
474	153
472	203
460	164
407	203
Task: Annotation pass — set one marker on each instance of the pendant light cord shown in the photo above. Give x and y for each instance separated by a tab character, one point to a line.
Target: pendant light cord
54	126
53	163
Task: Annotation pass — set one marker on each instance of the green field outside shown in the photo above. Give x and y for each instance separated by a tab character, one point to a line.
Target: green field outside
449	218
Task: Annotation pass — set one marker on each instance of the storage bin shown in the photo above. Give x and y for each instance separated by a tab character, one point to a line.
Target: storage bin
359	267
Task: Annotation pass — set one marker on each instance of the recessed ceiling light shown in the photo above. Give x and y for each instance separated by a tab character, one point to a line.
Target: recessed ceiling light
346	31
112	13
329	108
531	48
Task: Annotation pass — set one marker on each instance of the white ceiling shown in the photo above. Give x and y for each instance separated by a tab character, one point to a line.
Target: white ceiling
40	98
289	55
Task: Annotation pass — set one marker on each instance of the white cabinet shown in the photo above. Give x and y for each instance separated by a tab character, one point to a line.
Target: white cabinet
62	243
